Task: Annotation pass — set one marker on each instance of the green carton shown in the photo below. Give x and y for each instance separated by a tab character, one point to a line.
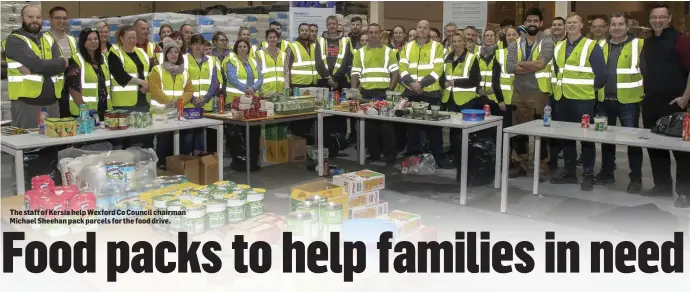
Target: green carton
276	132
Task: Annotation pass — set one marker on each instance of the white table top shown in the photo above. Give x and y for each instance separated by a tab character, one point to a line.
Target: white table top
34	140
453	122
615	135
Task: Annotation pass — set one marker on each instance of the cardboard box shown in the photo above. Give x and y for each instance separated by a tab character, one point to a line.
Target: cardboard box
371	211
321	188
359	182
368	198
200	168
276	132
297	149
405	223
276	151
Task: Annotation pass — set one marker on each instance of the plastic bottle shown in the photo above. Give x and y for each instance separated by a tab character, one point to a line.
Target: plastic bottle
547	115
84	119
43	115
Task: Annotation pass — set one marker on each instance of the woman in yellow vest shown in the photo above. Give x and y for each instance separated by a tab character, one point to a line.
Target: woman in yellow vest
129	69
490	68
272	60
244	78
88	77
461	76
170	82
221	50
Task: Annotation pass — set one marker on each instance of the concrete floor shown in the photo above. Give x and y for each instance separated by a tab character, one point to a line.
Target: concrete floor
607	210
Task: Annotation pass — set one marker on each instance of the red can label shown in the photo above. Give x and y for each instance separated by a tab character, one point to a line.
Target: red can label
180	109
585	121
487	110
686	127
221	104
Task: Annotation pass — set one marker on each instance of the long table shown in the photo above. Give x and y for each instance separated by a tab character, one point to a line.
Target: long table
467	129
15	145
277	119
636	137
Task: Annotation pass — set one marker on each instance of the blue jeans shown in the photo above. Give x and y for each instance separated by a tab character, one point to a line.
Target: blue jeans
629	115
571	110
191	140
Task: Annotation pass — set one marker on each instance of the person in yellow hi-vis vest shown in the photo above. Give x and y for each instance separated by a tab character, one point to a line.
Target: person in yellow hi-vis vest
579	71
143	42
129	69
375	71
35	70
421	66
460	79
529	59
170	82
88	77
490	68
282	44
621	97
272	60
472	36
59	25
244	78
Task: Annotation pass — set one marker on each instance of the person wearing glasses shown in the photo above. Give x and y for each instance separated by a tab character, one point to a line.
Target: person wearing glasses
221	50
67	44
88	77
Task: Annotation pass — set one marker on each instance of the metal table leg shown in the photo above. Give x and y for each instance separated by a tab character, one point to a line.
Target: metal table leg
176	143
319	142
361	147
19	171
537	162
248	153
463	167
504	173
499	143
220	151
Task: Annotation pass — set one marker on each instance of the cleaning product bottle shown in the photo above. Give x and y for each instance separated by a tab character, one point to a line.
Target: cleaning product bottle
547	115
42	117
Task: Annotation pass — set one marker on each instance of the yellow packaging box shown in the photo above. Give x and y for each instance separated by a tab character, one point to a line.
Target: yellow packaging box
53	127
359	182
69	127
322	188
368	198
406	223
370	211
276	151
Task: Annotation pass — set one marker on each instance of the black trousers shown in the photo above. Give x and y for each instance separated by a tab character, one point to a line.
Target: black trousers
380	135
654	108
435	134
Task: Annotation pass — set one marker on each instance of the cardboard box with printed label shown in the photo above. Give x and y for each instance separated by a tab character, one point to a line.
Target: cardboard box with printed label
405	223
359	182
371	211
200	168
322	188
364	199
297	148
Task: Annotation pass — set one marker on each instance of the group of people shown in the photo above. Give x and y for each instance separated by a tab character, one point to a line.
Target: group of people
517	71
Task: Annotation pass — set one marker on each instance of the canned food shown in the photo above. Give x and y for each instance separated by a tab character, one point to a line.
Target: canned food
123	120
487	110
216	213
176	221
585	121
299	224
686	127
236	209
354	106
255	205
195	219
312	208
601	124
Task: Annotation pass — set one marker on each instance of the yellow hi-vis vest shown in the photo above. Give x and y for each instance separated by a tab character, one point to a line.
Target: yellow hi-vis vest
374	66
151	49
575	79
399	87
507	79
241	76
303	71
127	95
89	85
462	70
487	71
283	46
201	77
30	86
628	76
172	87
273	71
420	61
72	43
543	76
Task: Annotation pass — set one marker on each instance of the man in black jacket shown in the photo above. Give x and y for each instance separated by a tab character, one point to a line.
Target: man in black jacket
665	66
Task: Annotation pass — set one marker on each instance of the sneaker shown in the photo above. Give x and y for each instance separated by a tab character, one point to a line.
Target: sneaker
659	191
564	178
587	182
604	178
635	185
683	201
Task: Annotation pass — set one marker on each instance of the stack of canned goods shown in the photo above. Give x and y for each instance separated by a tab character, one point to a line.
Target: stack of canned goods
166	181
140	119
315	219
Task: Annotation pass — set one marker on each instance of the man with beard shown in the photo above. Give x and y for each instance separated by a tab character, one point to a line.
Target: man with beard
471	36
622	96
355	31
421	66
665	69
68	46
449	30
557	34
579	71
528	59
301	66
35	70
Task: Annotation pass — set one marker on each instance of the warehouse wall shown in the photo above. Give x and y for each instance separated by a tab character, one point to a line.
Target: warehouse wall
86	9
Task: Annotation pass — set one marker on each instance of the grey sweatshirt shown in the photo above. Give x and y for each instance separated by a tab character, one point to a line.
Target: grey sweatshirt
528	82
17	49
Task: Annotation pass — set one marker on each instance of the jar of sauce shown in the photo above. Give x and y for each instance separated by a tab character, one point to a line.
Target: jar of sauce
123	120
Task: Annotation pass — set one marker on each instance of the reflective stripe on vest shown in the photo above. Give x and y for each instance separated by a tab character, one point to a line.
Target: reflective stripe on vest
543	76
375	70
460	95
127	95
425	66
303	71
171	87
575	78
342	47
628	76
89	85
201	77
233	92
31	86
273	71
506	79
486	71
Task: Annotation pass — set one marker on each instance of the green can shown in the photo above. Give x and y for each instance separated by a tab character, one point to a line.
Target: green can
201	198
195	219
216	213
160	204
299	224
255	204
312	208
176	221
236	210
330	219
